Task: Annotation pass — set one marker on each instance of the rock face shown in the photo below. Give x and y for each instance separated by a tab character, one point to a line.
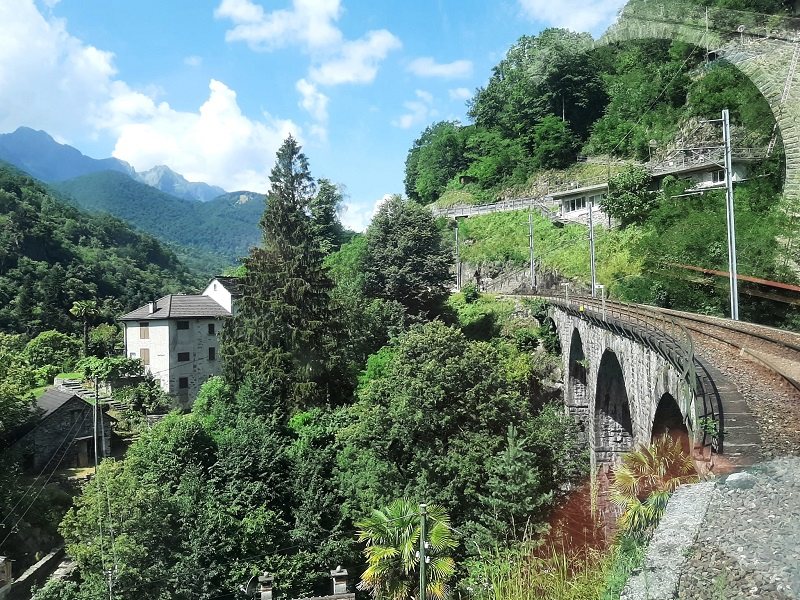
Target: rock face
168	181
748	545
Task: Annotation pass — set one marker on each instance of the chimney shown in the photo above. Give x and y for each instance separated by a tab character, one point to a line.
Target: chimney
339	576
265	586
151	307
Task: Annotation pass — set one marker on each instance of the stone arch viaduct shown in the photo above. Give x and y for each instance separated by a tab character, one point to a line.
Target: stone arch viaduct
628	377
764	48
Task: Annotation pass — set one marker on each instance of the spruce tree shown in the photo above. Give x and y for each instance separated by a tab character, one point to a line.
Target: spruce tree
278	337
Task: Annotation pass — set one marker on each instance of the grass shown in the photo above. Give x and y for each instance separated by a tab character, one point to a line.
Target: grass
72	375
502	239
38	391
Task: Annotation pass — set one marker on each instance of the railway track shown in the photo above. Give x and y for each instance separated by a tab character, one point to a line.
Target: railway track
773	349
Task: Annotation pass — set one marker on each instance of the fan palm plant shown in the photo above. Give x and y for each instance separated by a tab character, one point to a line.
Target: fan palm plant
644	480
392	540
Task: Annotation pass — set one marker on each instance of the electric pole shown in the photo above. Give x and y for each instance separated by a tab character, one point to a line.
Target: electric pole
423	512
94	425
530	247
458	261
732	268
591	250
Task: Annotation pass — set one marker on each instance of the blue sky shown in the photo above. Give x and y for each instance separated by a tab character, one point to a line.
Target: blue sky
211	87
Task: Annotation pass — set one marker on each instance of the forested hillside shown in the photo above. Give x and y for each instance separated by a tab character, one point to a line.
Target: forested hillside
555	97
52	254
208	236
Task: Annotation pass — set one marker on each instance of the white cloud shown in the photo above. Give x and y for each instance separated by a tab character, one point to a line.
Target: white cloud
461	93
357	216
311	24
427	67
53	81
419	111
356	61
578	15
193	61
308	22
217	144
316	104
312	100
48	79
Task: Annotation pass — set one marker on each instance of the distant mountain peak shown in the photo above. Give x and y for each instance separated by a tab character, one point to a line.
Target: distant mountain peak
165	179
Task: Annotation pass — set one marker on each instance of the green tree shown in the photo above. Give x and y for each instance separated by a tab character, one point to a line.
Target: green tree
105	340
325	222
52	349
436	157
392	537
645	479
85	310
629	197
279	335
406	259
554	144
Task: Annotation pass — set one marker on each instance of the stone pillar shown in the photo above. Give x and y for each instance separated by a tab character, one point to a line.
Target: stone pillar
339	577
265	583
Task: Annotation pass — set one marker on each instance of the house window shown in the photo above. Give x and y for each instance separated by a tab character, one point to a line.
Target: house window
212	353
183	357
183	383
144	330
183	324
144	354
215	287
211	329
717	176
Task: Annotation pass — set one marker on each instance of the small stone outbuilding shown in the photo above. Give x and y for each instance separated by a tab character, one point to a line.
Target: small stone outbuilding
60	434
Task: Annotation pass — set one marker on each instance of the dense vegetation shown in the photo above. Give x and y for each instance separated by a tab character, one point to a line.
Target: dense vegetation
552	97
342	393
52	255
64	277
208	236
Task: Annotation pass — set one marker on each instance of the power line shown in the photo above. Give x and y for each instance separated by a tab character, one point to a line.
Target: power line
40	490
70	433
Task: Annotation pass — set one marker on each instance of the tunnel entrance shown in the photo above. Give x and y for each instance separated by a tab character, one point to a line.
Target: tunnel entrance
612	416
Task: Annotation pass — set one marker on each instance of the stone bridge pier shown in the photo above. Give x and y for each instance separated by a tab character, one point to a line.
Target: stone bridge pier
623	392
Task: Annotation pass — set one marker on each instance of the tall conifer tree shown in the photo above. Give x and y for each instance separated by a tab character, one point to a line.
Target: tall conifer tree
278	336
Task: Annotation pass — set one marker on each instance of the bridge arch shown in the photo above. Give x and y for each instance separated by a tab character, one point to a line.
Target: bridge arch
765	49
577	393
669	420
613	426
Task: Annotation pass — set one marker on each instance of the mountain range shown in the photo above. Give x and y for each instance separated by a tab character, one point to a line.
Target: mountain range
42	157
207	227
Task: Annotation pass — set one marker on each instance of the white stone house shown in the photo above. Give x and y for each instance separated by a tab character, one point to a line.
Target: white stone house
177	337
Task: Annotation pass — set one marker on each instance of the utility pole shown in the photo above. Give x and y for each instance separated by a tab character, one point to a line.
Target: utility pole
732	269
458	261
423	513
94	425
591	250
530	247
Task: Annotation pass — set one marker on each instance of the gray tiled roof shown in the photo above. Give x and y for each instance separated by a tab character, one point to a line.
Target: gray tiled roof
52	400
178	307
232	284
